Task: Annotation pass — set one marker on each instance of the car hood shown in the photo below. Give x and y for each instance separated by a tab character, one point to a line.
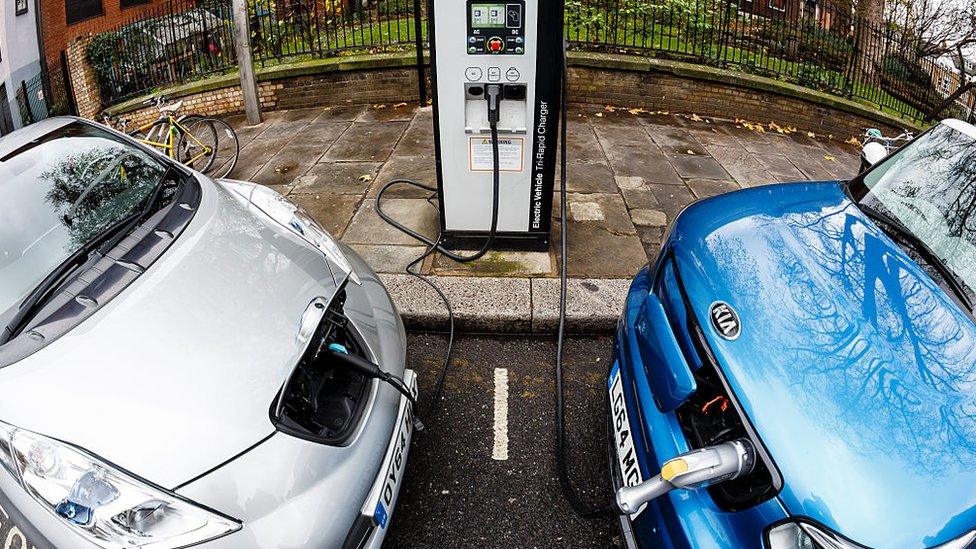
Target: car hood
857	371
177	374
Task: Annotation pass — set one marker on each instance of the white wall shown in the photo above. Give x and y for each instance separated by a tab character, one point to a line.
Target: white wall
19	50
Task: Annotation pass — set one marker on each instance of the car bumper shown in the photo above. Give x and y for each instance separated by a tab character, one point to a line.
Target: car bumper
286	491
681	518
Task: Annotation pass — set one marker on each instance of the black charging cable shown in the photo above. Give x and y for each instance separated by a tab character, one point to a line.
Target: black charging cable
582	508
373	371
493	94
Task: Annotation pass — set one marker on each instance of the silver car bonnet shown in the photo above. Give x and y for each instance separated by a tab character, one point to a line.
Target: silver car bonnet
177	374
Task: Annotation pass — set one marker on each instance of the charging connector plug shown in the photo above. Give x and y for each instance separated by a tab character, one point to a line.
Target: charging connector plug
370	370
493	94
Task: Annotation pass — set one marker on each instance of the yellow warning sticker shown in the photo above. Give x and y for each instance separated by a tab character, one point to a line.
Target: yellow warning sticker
510	154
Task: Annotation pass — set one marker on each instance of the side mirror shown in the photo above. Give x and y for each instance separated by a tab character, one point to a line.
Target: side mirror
695	469
872	153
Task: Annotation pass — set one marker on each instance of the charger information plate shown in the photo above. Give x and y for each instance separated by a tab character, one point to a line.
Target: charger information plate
481	159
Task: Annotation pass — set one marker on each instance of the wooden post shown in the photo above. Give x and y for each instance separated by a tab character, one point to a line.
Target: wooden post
249	83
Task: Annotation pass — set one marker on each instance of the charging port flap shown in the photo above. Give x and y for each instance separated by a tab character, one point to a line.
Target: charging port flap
667	370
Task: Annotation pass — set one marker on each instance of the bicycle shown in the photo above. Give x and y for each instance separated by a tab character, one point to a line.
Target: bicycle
877	146
204	143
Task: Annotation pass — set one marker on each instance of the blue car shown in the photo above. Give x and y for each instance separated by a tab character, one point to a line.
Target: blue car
797	369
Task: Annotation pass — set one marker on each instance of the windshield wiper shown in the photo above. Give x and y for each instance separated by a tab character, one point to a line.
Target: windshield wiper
101	243
908	237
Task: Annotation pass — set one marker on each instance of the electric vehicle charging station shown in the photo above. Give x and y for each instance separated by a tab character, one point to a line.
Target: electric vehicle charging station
496	61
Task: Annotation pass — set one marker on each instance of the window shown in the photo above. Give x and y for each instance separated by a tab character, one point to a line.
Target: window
778	5
129	3
79	10
21	7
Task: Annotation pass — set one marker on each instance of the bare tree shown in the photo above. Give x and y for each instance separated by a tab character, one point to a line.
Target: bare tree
934	27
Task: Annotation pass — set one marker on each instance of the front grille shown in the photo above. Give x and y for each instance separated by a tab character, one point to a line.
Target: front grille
712	415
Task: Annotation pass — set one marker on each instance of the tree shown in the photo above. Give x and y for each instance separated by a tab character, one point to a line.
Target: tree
868	40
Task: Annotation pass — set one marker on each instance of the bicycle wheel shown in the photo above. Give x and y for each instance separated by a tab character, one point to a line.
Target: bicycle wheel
228	149
197	146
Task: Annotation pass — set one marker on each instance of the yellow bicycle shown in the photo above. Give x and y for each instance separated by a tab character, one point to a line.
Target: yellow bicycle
206	144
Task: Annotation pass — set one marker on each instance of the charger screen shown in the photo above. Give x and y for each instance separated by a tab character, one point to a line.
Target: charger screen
488	16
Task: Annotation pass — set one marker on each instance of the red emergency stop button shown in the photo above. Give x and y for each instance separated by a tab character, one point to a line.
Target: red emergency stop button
495	44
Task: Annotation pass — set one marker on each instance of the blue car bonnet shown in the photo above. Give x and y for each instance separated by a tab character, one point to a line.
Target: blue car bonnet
857	371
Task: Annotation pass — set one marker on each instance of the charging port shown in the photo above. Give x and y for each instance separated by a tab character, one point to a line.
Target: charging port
515	92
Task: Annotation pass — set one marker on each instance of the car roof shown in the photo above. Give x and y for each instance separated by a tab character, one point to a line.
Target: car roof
15	140
961	126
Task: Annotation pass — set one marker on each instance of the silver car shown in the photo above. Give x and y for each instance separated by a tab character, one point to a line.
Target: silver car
171	365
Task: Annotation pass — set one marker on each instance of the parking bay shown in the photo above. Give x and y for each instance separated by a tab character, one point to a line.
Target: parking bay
456	493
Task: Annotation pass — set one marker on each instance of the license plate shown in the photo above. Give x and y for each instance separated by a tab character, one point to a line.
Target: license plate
623	436
379	504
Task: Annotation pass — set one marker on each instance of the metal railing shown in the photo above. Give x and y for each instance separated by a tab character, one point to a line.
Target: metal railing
811	43
48	93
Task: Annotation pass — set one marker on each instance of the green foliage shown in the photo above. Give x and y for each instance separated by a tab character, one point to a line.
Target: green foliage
589	19
102	54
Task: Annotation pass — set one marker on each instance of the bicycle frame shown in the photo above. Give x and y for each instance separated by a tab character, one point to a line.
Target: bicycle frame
174	130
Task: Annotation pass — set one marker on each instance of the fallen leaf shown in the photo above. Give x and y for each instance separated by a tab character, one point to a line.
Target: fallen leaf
366	178
600	114
829	158
610	108
811	135
696	118
398	105
853	141
379	106
637	110
691	151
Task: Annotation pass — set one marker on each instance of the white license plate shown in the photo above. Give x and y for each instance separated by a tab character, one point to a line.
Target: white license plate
623	436
381	500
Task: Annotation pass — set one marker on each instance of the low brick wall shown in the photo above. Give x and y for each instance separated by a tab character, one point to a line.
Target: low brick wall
594	79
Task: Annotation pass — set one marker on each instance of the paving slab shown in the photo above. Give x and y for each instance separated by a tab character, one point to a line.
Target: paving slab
582	143
705	188
714	135
286	166
780	167
368	227
742	165
651	238
622	136
323	134
674	141
332	211
479	304
596	252
387	113
254	156
649	218
698	166
589	177
592	305
337	178
640	198
607	210
282	129
343	113
647	162
672	199
498	263
388	259
367	141
418	140
422	169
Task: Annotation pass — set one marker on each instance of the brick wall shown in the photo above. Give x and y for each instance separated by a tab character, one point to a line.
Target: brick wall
665	91
58	34
83	84
587	86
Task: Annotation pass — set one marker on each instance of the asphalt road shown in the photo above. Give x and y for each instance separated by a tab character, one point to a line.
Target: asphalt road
456	494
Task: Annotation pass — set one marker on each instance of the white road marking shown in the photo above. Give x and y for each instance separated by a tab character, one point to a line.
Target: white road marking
499	450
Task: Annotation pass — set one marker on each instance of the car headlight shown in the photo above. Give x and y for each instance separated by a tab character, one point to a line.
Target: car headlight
803	535
294	217
107	506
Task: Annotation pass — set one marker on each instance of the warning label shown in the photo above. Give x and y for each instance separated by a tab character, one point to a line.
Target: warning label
509	154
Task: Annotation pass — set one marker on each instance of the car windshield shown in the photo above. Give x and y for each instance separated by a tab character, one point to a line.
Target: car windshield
929	186
59	192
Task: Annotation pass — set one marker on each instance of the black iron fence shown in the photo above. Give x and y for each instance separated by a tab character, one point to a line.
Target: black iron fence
811	43
46	94
175	42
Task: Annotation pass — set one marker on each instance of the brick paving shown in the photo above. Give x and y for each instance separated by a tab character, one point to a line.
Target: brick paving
627	177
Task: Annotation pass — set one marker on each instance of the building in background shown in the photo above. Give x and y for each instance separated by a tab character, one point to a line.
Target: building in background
19	56
65	20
